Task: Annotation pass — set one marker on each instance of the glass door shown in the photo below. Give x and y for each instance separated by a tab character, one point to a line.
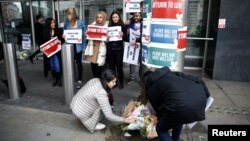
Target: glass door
197	21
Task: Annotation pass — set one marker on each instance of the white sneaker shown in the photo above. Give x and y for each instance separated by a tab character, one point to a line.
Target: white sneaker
100	126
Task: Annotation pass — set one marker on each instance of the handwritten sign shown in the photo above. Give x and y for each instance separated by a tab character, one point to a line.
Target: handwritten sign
114	33
97	33
73	36
51	47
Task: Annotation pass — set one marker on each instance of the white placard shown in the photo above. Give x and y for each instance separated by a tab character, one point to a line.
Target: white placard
73	36
133	35
114	33
222	23
132	7
131	53
146	31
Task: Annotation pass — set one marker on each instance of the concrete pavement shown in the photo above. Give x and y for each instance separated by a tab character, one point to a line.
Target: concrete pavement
41	115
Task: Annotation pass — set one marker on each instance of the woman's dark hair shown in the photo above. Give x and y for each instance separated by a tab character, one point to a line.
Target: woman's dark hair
107	76
120	22
47	29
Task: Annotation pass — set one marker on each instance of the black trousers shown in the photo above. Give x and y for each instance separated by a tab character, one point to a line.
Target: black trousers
96	70
78	60
116	64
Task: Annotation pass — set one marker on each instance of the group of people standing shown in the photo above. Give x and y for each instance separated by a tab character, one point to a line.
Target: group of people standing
113	49
104	53
48	30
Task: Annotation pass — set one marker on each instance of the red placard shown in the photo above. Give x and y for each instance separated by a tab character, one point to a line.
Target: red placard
167	9
51	47
97	33
182	39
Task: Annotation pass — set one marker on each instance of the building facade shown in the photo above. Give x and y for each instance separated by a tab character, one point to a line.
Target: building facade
208	47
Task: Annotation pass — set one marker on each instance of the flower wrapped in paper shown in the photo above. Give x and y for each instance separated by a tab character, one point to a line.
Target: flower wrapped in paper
145	122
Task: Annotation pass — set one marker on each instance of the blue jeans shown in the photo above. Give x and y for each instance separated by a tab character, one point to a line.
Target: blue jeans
163	128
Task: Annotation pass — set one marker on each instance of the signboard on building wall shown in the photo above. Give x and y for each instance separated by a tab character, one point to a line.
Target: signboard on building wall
163	35
167	9
222	23
157	56
147	9
26	41
163	32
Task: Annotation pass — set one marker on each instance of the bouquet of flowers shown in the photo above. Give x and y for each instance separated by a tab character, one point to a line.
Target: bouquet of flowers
145	122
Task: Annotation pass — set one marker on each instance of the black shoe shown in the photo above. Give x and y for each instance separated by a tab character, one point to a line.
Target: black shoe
31	59
54	83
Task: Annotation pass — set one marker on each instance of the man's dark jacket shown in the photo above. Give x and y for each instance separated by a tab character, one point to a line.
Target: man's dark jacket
180	98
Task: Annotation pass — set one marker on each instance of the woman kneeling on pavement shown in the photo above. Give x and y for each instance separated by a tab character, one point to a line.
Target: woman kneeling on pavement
92	100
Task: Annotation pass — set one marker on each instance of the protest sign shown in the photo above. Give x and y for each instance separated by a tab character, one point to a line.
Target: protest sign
167	9
146	31
97	33
114	33
133	35
131	53
51	47
164	32
182	39
158	55
147	9
73	36
132	7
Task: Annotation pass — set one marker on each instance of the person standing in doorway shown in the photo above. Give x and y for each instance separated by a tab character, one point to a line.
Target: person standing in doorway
72	22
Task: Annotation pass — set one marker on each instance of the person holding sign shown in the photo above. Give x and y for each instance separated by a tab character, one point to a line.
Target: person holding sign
51	31
177	99
115	48
73	23
96	49
135	24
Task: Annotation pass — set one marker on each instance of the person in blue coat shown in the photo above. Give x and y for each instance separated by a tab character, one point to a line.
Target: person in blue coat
72	22
177	99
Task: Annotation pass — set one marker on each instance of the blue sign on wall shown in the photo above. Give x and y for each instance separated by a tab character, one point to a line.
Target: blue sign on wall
164	33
